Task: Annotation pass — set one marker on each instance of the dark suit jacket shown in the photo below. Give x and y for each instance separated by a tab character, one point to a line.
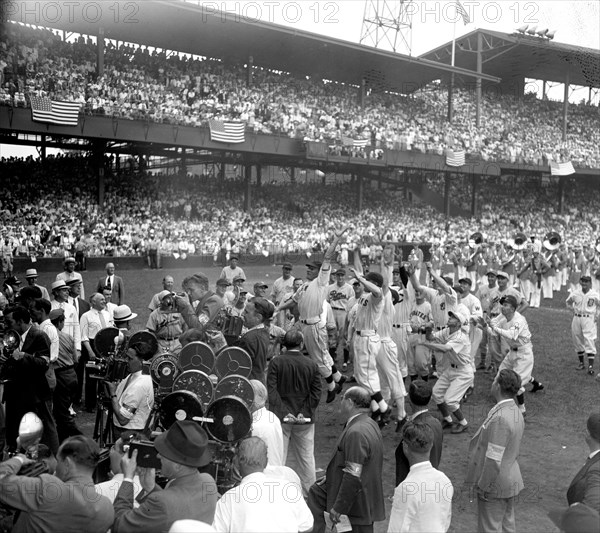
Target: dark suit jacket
51	504
361	443
27	383
118	289
256	342
82	307
402	465
585	487
191	497
294	385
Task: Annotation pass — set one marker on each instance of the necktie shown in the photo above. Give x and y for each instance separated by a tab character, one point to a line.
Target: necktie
108	284
75	305
102	321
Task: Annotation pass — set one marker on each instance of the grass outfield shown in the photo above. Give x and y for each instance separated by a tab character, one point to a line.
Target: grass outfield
553	447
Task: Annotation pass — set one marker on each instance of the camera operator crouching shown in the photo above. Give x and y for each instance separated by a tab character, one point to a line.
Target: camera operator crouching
132	398
182	449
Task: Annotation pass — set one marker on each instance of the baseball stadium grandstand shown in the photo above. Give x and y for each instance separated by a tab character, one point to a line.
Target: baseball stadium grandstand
194	140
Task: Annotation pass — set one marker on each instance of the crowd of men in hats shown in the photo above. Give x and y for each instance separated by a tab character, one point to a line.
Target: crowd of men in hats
402	339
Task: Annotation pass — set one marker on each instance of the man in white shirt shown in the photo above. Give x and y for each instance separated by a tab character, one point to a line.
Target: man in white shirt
423	501
69	274
266	425
132	399
261	504
168	283
233	270
93	321
60	291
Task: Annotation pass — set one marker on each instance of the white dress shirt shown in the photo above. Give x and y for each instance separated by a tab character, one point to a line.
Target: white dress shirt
268	427
422	502
136	398
71	326
262	504
92	322
49	329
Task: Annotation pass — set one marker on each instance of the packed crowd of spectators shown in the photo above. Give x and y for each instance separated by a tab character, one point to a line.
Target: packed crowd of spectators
141	84
46	208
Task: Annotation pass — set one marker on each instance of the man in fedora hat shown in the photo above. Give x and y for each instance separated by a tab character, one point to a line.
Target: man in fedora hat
182	449
60	292
31	276
69	273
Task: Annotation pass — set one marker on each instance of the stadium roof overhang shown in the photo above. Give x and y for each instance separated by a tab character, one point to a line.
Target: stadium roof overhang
508	56
201	30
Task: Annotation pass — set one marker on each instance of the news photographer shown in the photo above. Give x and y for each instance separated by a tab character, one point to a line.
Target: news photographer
63	502
133	397
26	388
182	449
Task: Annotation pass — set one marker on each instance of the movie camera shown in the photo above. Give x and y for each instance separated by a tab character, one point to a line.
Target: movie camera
210	389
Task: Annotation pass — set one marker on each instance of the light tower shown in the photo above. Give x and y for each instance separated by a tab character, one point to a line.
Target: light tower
388	25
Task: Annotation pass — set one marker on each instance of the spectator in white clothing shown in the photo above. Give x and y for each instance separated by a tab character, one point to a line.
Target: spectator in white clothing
260	503
266	425
423	501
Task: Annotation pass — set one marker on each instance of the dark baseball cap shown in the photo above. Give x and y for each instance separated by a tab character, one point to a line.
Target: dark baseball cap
315	264
510	300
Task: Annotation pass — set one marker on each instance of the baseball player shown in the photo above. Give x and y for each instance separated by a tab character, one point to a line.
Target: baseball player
473	304
338	296
403	305
512	326
453	344
310	298
387	357
367	343
441	296
585	304
496	346
419	357
538	268
483	293
282	289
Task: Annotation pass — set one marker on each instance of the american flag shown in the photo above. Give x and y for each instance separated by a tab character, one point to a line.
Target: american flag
227	132
53	111
349	141
455	158
561	169
462	12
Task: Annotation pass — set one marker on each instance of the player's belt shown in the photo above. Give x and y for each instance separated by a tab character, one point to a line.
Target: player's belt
310	321
582	316
167	338
406	324
439	328
457	366
338	309
63	368
366	332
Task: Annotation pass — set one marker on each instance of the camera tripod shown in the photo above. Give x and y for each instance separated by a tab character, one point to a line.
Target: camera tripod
104	427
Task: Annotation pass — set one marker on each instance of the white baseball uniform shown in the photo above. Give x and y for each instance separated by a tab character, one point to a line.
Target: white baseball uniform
584	327
366	342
